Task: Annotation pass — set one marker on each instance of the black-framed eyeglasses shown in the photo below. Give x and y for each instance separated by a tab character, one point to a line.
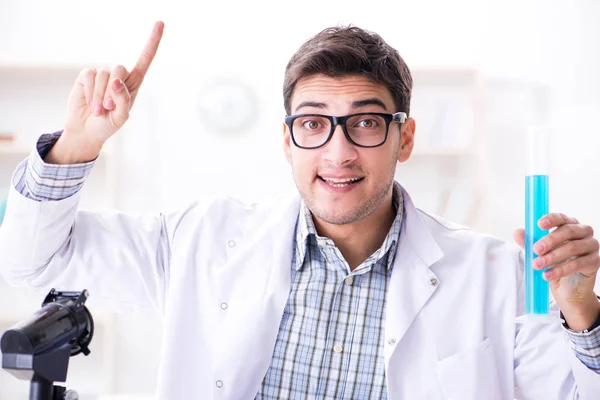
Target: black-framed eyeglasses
311	131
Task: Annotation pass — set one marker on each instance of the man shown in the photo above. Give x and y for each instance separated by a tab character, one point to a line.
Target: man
346	291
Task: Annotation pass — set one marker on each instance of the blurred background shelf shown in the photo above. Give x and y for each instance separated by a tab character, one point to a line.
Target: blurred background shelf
450	152
14	149
447	172
58	68
24	149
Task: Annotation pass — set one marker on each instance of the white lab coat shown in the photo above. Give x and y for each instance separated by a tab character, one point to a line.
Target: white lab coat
453	297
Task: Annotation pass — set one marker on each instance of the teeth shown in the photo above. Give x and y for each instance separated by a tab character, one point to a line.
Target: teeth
340	183
345	180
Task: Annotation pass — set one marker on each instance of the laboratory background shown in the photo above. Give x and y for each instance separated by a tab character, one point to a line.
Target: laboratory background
208	119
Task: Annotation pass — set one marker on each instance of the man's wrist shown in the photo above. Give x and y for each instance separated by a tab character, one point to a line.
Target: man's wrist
69	150
583	318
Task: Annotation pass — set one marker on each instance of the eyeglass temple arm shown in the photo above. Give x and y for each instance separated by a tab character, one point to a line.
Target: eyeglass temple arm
399	117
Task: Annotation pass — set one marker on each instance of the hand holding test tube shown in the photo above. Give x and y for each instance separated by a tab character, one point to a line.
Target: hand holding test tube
566	258
565	261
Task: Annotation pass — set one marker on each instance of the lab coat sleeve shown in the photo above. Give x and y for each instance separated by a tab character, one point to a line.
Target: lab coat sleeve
545	365
122	260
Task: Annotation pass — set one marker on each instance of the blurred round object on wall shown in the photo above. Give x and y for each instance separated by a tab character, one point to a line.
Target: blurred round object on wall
227	106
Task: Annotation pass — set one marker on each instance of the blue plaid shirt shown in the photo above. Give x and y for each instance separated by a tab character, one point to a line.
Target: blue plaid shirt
330	343
330	339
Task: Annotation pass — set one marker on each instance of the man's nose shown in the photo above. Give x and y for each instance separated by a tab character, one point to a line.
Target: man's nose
339	151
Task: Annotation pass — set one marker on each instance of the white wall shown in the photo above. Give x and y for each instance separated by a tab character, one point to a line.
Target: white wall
169	158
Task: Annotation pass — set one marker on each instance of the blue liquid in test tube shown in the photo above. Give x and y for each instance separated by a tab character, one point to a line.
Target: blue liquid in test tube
537	291
536	206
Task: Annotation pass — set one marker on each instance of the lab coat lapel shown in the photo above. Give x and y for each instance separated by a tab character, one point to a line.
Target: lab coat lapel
258	277
412	282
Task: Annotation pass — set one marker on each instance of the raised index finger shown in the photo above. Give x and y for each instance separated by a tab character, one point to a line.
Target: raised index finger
143	63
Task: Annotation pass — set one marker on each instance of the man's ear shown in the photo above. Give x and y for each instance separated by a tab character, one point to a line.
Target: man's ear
286	143
407	139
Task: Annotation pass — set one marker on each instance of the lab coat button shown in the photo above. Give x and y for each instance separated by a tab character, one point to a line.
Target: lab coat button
219	384
338	348
434	282
392	341
224	306
349	280
231	243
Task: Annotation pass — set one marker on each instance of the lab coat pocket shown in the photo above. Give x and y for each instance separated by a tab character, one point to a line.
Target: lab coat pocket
470	374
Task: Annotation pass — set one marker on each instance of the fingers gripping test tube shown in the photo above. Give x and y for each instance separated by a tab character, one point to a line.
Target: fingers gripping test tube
537	292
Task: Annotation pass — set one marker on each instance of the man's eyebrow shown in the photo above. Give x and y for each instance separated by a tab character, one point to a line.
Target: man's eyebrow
314	104
368	102
355	104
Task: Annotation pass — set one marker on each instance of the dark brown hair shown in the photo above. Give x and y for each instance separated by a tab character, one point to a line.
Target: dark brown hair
350	50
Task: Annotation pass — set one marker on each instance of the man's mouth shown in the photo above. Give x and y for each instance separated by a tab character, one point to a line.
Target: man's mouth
340	182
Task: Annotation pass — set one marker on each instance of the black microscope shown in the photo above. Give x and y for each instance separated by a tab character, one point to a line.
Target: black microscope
39	347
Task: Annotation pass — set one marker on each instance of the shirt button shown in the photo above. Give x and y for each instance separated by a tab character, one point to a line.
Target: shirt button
434	282
224	306
219	384
231	243
338	348
392	341
349	280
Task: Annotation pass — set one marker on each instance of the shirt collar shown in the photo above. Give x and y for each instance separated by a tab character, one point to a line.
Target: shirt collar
305	229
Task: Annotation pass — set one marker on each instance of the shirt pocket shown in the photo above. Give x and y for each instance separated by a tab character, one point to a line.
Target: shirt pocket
470	374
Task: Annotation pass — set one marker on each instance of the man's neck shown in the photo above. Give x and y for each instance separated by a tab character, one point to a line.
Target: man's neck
359	240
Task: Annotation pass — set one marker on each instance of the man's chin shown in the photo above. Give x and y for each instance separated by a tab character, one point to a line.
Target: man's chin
336	214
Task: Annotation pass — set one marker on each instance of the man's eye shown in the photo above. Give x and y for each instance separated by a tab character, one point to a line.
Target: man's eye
367	123
312	125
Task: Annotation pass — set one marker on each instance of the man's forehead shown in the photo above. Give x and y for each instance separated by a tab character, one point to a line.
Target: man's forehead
338	90
347	83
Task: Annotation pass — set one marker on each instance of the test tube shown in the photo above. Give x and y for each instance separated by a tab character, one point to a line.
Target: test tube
537	291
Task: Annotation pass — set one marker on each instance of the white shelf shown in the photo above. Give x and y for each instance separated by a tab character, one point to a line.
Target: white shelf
450	76
39	68
20	149
11	148
433	152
